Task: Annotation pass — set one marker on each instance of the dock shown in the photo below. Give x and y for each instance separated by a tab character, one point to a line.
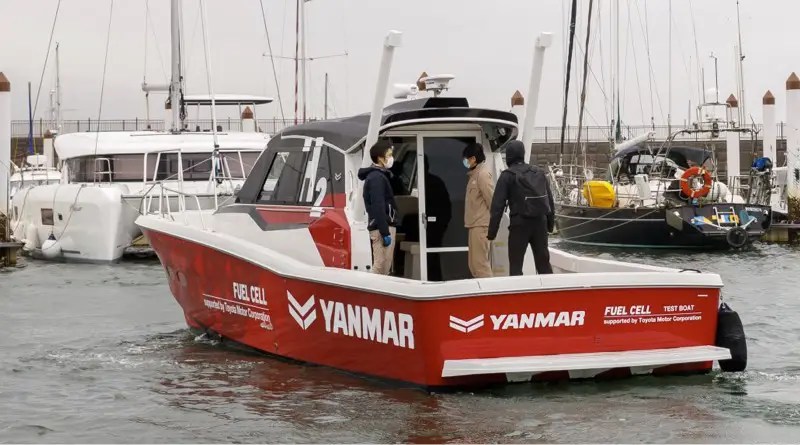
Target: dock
8	253
139	248
783	233
8	249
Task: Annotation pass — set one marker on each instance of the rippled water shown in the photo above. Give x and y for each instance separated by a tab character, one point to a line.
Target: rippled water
100	354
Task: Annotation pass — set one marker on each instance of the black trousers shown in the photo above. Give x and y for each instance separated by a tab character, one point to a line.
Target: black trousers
524	232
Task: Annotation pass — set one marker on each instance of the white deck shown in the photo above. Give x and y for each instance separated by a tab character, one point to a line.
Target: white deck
596	360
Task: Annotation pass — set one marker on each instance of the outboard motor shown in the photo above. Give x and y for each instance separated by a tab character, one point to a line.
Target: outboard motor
730	335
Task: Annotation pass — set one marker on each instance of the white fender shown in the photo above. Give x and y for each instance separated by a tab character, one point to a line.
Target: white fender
31	237
51	248
719	192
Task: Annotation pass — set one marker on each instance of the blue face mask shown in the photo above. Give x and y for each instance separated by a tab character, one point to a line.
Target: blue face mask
466	163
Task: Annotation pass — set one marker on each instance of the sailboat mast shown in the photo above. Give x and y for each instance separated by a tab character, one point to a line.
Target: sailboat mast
58	91
296	60
175	84
669	75
742	111
325	113
30	121
303	59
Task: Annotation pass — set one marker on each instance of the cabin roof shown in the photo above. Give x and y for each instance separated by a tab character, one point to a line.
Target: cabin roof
73	145
682	152
225	99
346	132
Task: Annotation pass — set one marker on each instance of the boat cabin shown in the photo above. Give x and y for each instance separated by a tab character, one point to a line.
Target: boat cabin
148	156
307	177
665	162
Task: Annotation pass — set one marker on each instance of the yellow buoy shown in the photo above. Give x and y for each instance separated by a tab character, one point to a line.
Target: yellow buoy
599	194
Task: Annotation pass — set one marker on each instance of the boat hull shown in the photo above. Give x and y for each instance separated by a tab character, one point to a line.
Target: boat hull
415	340
92	223
654	228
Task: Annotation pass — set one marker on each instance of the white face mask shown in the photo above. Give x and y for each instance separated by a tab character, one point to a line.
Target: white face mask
389	162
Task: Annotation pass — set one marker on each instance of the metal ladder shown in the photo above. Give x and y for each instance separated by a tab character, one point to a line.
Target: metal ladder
726	218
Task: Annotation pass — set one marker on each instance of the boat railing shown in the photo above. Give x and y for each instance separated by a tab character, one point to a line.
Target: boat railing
220	173
225	173
165	195
568	181
754	188
99	173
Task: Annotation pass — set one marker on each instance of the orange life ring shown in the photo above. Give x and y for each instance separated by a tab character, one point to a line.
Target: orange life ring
687	178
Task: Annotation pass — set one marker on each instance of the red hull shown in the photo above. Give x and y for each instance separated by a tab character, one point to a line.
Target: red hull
409	339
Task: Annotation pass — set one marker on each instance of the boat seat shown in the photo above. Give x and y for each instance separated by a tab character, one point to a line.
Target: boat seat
411	268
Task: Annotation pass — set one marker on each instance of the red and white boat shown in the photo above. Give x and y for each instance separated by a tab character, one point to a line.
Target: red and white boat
285	270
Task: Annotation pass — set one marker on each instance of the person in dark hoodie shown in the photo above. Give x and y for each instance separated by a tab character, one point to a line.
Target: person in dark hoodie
380	205
525	189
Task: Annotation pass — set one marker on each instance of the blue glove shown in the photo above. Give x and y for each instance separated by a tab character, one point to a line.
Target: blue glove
387	241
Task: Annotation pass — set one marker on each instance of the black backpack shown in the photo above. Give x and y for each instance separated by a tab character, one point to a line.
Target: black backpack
531	194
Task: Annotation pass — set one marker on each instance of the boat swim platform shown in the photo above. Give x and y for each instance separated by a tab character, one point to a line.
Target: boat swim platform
642	359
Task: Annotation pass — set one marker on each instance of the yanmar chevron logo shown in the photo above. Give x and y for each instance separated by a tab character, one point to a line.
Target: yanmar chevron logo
304	314
466	325
530	320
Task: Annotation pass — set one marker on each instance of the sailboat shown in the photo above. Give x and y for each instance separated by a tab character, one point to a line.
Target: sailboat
664	195
36	168
90	215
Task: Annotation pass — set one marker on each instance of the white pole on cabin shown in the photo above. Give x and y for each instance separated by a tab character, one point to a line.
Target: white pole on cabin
392	40
361	252
770	131
544	40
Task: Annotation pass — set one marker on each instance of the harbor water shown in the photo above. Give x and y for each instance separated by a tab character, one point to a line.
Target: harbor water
101	353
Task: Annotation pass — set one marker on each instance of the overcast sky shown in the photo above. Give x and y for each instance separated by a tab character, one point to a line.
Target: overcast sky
487	45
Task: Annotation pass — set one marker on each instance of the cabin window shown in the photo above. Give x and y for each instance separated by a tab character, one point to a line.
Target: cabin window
124	167
195	166
47	217
235	163
283	178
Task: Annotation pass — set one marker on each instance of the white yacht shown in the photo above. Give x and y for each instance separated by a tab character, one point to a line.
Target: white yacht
89	215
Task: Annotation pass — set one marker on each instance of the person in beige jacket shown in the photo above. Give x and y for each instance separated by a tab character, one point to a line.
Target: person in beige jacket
478	200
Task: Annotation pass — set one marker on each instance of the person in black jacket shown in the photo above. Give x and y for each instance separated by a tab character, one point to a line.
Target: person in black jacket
525	189
380	205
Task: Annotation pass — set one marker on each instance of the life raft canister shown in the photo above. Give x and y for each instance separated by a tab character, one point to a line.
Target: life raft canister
730	335
687	178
